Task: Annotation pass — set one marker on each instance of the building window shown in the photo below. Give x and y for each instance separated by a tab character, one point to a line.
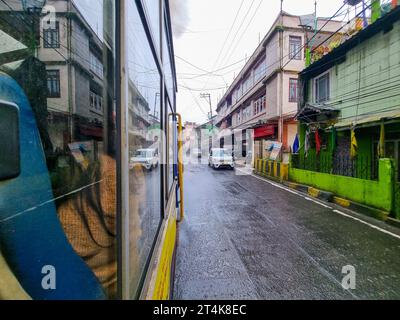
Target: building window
96	65
53	84
255	107
51	37
96	102
263	103
247	113
322	88
259	105
295	48
293	90
239	117
260	71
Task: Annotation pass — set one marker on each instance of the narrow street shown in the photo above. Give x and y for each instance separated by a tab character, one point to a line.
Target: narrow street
247	238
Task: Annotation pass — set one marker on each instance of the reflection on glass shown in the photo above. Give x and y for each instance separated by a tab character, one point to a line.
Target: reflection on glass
171	149
152	9
61	209
145	143
169	80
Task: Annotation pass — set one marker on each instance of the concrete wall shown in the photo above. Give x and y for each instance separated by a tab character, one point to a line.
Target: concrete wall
289	108
57	54
80	45
293	65
272	54
272	98
60	104
378	194
82	94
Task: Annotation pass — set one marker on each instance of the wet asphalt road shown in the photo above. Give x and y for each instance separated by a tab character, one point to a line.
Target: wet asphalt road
244	238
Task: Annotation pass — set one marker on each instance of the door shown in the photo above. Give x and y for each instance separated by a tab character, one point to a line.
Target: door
393	151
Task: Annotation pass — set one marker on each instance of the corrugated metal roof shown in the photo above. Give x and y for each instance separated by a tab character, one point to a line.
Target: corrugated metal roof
369	119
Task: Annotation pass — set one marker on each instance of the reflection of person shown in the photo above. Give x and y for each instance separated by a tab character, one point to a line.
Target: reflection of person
10	288
137	196
89	221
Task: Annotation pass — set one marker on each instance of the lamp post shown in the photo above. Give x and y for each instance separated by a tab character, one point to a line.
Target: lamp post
34	8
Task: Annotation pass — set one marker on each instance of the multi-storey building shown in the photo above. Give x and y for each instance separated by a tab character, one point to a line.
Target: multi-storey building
72	54
349	110
263	96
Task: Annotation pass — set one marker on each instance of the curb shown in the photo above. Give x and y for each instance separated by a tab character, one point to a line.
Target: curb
393	222
262	175
313	192
372	212
330	197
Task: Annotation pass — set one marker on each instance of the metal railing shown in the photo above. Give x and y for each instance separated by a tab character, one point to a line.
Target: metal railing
362	167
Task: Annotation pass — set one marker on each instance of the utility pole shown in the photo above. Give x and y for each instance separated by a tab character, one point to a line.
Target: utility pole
208	97
281	122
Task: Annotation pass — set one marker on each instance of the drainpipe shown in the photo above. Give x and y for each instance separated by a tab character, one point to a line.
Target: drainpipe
281	43
69	67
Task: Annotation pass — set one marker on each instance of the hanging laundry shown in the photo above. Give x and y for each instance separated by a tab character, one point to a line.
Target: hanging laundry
333	139
317	142
307	142
381	144
354	145
296	144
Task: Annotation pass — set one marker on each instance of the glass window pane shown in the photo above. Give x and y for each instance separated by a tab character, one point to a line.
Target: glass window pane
58	215
152	9
172	149
169	80
145	148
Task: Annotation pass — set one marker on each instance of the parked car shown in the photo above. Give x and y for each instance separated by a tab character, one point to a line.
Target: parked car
221	158
148	158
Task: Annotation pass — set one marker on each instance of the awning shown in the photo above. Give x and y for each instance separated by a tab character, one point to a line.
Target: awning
368	120
316	113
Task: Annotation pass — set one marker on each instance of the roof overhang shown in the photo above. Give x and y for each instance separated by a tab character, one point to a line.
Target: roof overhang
312	113
369	120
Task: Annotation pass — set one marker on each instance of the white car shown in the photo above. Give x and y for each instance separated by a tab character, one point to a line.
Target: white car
221	158
148	158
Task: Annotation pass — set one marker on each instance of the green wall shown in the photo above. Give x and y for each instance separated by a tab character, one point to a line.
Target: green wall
380	77
378	194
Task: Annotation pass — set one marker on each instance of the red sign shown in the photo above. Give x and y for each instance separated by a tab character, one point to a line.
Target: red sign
265	131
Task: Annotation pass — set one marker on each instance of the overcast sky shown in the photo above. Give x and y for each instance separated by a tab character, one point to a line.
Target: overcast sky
201	31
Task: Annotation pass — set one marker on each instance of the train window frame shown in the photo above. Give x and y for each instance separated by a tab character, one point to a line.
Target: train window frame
11	137
170	184
128	289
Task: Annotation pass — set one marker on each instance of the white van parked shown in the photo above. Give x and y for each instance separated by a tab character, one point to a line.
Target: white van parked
221	158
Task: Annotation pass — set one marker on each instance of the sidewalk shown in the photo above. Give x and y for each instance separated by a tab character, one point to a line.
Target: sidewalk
332	198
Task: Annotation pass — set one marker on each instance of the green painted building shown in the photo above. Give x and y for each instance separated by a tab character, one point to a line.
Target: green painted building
354	89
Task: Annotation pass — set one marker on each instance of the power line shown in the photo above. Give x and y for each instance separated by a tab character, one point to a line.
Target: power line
247	27
226	39
196	101
237	31
313	37
199	90
307	43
